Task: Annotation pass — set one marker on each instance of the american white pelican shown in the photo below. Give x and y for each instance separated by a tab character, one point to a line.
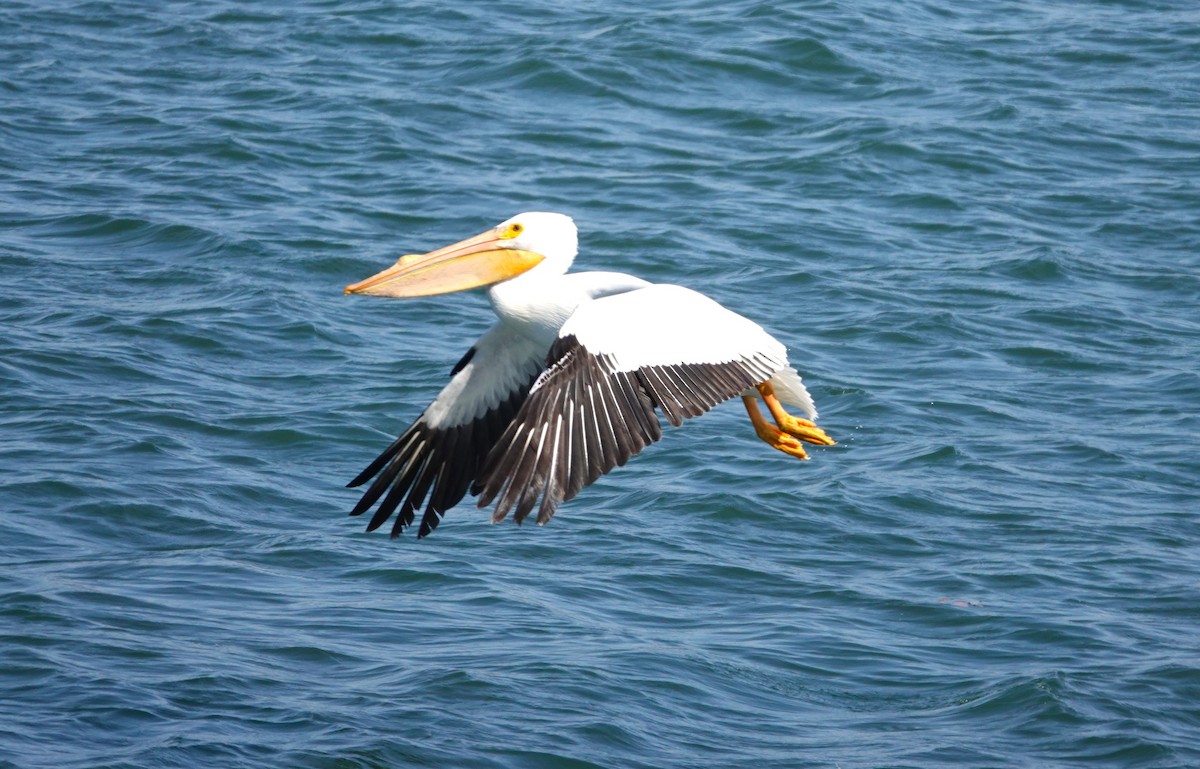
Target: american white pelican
565	386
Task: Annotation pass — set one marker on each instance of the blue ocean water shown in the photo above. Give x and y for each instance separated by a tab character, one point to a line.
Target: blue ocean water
977	230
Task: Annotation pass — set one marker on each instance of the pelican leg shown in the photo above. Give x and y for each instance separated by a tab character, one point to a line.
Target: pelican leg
774	437
801	428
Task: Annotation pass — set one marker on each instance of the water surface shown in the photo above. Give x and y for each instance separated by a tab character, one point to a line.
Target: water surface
975	230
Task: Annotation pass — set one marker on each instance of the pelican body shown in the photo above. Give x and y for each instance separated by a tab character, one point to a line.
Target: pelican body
569	382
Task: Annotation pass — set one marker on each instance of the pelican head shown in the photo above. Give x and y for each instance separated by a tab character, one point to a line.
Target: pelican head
540	239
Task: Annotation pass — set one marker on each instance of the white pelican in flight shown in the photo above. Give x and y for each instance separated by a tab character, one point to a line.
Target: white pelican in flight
566	385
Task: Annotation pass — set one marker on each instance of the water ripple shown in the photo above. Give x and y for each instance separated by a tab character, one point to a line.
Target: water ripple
975	230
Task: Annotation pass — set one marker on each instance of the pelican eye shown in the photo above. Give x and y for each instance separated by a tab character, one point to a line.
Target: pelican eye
512	230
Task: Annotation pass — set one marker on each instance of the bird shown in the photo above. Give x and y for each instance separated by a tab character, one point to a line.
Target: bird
569	382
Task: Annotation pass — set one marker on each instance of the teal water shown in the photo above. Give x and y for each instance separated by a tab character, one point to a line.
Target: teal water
976	230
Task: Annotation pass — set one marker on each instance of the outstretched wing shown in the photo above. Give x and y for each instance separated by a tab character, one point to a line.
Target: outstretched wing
441	454
617	359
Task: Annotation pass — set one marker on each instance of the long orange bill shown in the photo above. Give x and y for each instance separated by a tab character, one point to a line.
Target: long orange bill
478	261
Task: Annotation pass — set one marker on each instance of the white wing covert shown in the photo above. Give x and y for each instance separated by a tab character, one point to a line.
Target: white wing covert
616	360
442	452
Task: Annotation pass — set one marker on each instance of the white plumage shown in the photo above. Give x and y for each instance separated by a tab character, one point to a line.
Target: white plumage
568	384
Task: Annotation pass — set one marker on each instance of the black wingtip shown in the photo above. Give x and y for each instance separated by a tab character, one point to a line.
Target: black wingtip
440	464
